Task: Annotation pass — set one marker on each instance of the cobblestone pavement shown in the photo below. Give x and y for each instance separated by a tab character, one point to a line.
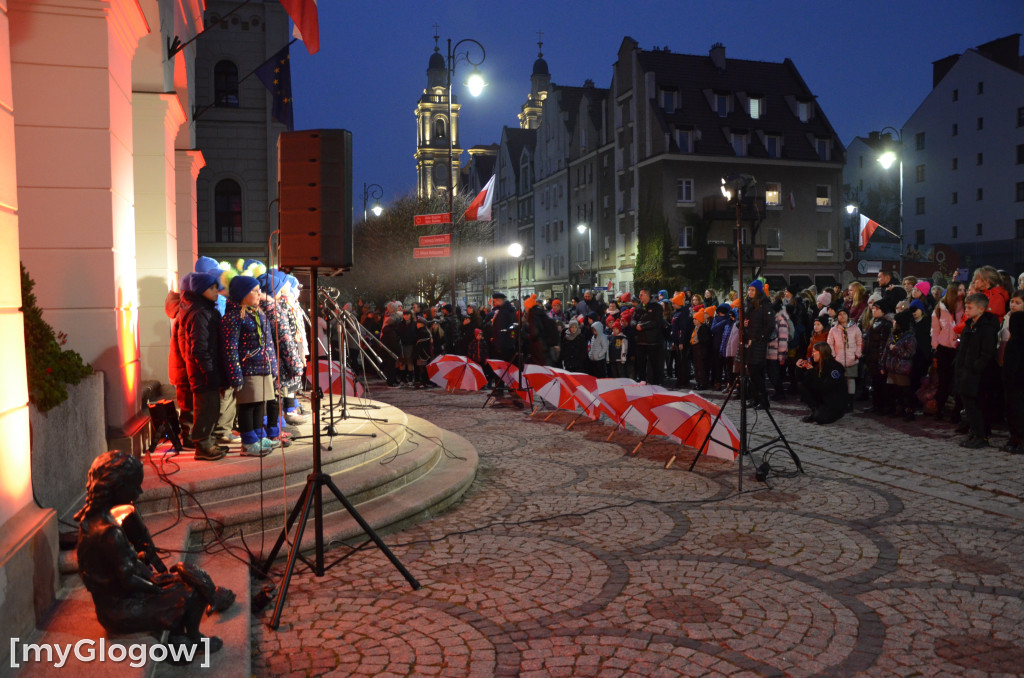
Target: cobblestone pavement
898	553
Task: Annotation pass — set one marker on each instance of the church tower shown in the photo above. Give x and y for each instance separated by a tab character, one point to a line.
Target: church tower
434	131
540	84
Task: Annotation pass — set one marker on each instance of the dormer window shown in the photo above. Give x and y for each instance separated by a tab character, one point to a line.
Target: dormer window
668	100
722	105
823	147
803	110
773	146
739	143
756	107
684	138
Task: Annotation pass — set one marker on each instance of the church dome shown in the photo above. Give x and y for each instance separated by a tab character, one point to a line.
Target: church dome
437	61
540	67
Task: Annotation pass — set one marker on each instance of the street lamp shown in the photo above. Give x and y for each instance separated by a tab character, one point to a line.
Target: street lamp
483	287
374	191
581	229
475	83
886	160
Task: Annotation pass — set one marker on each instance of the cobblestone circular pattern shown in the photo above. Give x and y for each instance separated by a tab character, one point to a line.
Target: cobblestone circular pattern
787	623
776	497
972	563
537	475
604	524
817	546
631	478
978	652
453	573
812	493
685	609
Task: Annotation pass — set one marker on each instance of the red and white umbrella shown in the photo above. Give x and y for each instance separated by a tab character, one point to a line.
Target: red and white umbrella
508	373
622	402
454	372
589	397
724	441
329	379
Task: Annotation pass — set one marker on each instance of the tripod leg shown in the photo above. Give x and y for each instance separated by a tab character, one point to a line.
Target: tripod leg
371	533
293	555
300	502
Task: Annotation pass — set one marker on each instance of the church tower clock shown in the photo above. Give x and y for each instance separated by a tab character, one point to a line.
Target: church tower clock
433	129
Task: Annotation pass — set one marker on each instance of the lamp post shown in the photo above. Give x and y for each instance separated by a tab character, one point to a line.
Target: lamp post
515	250
374	191
476	84
581	228
483	287
886	160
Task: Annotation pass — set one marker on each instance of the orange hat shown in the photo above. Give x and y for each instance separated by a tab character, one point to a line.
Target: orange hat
530	302
700	317
679	299
556	302
735	303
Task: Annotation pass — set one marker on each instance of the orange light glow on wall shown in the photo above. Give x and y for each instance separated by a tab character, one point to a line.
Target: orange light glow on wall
128	339
16	462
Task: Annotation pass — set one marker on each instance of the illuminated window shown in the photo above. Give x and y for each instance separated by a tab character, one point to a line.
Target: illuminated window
823	196
227	201
803	111
773	194
225	84
756	107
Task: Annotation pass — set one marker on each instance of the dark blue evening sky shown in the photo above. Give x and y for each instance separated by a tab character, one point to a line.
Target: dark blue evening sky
869	62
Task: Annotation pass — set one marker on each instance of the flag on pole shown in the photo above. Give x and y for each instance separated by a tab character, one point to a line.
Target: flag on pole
276	76
867	229
792	201
480	208
307	22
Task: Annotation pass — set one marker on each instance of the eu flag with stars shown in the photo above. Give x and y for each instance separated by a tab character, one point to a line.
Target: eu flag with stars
276	75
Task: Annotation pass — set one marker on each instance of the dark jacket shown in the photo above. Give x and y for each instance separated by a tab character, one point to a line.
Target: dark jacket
502	319
756	332
199	340
824	391
650	323
177	373
681	329
248	350
1013	355
574	351
975	356
876	340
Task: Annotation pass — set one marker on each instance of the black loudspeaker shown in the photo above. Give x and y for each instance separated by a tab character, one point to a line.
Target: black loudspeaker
314	183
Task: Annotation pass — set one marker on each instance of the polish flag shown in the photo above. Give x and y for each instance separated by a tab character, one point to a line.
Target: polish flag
867	229
307	22
792	201
480	208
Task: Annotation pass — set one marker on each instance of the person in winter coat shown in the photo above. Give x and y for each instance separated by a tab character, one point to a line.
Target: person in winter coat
574	348
778	348
819	333
1013	375
597	352
423	352
719	324
755	332
250	360
701	348
729	348
897	362
618	351
392	342
987	281
177	373
846	343
679	333
650	324
822	386
944	319
203	354
973	365
875	341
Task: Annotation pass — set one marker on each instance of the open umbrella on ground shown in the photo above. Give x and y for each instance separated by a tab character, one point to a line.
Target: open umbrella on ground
456	372
589	398
544	384
329	379
622	401
723	441
508	373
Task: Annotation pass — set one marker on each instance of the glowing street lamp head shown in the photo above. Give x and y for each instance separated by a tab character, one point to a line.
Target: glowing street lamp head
376	209
475	83
850	209
887	159
515	250
479	260
582	228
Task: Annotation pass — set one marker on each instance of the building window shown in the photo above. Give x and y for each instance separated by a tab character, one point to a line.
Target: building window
919	206
803	111
225	84
954	197
981	194
722	105
1020	116
956	95
919	141
956	128
683	139
668	101
977	229
824	149
981	123
919	173
773	145
955	229
756	107
773	239
824	240
981	87
981	158
1020	191
955	163
1020	229
739	144
743	235
1020	154
824	196
686	237
919	237
439	129
227	205
684	190
773	194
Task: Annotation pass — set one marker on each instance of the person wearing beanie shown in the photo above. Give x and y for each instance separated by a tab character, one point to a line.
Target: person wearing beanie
822	387
573	348
875	341
251	362
758	326
206	264
177	373
898	364
721	319
757	285
922	327
700	349
847	344
974	365
680	329
618	351
423	351
922	292
201	350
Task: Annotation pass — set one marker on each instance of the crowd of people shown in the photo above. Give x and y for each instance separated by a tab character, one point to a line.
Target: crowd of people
908	346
